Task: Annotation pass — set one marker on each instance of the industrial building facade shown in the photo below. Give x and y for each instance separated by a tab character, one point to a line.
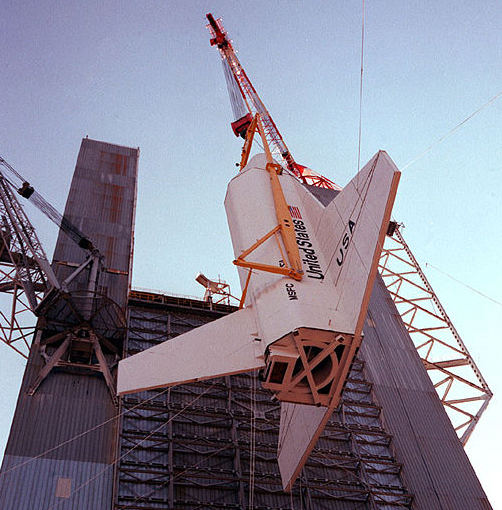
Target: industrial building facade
213	444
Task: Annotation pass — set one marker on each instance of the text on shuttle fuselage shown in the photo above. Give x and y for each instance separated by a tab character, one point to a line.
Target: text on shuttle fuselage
309	257
290	289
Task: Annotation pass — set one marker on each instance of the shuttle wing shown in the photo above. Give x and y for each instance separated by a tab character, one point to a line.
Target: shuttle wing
223	347
351	231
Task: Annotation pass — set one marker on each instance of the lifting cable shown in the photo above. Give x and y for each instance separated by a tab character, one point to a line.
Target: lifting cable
23	187
239	109
131	449
82	434
252	443
361	90
175	477
439	140
451	131
88	431
464	284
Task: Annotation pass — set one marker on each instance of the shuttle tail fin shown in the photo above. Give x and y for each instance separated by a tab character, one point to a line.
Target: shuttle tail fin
351	230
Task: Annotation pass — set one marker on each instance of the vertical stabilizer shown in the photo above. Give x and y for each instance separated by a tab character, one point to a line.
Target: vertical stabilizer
351	231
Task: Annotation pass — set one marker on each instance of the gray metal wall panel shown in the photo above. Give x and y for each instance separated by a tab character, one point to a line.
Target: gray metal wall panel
101	203
64	406
435	466
32	485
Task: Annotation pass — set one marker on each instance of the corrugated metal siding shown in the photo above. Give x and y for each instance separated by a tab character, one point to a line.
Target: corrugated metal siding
64	406
33	486
101	203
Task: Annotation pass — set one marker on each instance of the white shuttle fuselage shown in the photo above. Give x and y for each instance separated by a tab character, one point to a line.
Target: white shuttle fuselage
301	332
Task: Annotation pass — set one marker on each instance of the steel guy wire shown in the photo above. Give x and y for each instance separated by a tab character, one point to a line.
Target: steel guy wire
163	424
82	434
451	131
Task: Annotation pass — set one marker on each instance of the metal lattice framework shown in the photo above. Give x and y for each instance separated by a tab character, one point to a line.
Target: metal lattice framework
24	272
242	90
458	381
17	323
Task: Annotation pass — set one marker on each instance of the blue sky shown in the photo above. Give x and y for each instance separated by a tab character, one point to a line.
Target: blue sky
143	74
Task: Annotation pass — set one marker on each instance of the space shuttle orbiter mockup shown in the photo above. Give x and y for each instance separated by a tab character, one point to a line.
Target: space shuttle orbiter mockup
307	272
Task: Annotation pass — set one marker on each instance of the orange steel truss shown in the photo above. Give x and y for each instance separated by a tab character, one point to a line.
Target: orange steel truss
293	268
458	381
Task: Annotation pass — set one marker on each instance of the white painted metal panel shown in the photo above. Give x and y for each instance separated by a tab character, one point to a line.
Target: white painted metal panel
251	215
299	424
223	347
366	201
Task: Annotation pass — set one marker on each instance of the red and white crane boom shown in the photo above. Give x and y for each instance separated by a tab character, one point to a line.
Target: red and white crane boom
246	103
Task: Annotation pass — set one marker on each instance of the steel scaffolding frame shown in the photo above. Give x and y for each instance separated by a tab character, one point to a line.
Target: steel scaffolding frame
196	446
23	271
458	381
